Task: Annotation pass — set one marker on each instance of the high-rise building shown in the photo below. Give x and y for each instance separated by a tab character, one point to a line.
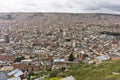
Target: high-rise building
6	38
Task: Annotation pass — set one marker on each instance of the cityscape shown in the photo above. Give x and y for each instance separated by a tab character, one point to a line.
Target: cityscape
59	39
42	46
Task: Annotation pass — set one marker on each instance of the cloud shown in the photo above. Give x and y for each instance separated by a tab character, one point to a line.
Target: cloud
74	6
105	6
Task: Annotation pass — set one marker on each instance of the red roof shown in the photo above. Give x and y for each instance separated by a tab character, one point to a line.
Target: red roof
37	43
115	41
20	65
6	57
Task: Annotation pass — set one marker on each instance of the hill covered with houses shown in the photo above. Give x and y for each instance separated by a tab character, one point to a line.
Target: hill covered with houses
35	44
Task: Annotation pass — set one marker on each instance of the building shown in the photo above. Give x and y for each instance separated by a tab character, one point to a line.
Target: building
6	38
3	76
7	57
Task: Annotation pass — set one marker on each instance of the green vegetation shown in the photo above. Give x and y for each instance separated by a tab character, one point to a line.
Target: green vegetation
53	73
71	57
18	59
55	78
103	71
31	76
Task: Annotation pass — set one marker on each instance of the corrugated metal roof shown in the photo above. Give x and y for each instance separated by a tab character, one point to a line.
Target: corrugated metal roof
59	60
102	58
15	73
3	76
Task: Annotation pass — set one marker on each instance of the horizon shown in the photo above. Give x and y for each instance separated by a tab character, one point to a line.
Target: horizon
57	13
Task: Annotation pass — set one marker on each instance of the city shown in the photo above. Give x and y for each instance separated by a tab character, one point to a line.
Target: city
34	44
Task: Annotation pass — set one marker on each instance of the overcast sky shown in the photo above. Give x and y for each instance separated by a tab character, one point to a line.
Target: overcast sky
74	6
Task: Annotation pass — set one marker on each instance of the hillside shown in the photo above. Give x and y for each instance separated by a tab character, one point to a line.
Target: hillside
62	19
59	39
109	70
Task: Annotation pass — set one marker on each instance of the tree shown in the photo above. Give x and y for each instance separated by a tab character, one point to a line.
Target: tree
18	59
54	73
63	69
30	75
71	57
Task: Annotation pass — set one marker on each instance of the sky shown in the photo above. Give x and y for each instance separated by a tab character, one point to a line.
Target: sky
72	6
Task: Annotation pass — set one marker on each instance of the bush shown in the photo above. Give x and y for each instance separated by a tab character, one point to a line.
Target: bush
54	73
55	79
71	57
30	74
111	77
62	75
18	59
